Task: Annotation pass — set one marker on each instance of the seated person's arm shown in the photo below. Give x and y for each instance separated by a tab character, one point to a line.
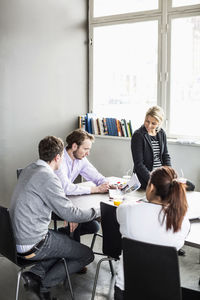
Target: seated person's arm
90	173
69	187
53	196
102	188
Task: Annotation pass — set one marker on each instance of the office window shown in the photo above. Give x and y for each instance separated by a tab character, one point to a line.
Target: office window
185	76
120	83
179	3
113	7
149	56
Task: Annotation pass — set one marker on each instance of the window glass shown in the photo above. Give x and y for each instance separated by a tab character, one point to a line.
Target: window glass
111	7
185	76
125	63
179	3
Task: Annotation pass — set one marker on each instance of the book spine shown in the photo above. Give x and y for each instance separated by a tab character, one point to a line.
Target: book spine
96	130
79	122
125	127
109	126
131	129
114	126
120	124
119	133
105	126
89	123
93	125
98	126
128	128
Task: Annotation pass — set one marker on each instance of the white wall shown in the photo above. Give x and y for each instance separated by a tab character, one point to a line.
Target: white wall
43	78
112	157
43	87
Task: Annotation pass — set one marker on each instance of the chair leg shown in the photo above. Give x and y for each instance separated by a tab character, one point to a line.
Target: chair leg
68	278
97	274
94	239
18	281
111	268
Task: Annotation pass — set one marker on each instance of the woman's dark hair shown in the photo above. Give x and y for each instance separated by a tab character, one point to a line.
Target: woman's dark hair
78	136
172	194
49	147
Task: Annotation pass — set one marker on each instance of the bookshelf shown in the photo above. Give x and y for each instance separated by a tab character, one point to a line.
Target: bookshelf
105	126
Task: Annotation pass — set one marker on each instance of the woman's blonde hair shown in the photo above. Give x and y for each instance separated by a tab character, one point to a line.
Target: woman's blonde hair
157	113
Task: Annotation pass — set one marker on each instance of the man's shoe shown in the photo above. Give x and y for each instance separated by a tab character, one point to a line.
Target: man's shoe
181	252
46	296
82	271
31	281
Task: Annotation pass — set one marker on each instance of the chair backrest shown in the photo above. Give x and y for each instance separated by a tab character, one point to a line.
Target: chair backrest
112	242
150	271
7	239
19	172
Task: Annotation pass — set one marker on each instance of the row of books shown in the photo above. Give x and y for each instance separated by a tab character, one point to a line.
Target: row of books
105	126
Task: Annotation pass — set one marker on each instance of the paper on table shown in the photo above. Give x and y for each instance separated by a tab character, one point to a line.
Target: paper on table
115	193
132	185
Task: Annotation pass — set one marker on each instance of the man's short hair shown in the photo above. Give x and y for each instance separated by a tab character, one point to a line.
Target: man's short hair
78	136
49	147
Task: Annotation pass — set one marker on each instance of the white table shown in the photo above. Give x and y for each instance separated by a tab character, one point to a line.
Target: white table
93	200
193	239
193	198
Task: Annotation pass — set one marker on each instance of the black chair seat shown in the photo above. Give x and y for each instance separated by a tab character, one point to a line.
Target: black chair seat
8	249
152	272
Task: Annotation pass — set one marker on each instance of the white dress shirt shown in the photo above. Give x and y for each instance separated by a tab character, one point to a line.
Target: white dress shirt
70	169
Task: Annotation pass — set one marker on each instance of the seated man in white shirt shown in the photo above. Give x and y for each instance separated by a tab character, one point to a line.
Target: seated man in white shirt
74	163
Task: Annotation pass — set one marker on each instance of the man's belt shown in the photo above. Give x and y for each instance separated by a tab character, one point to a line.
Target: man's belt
30	253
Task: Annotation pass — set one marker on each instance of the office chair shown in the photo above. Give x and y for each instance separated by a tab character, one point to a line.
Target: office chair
95	235
152	272
19	172
8	249
8	245
111	239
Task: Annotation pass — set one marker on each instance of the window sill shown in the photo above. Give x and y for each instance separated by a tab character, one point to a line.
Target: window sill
183	142
169	140
112	137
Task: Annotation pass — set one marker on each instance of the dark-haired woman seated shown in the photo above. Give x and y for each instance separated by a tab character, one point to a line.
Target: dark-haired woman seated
162	220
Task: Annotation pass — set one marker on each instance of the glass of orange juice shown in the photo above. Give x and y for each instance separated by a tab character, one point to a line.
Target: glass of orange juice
117	201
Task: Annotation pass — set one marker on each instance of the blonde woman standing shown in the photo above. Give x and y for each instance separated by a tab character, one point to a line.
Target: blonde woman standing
149	145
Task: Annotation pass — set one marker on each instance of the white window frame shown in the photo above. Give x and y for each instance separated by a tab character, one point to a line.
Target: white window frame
164	14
